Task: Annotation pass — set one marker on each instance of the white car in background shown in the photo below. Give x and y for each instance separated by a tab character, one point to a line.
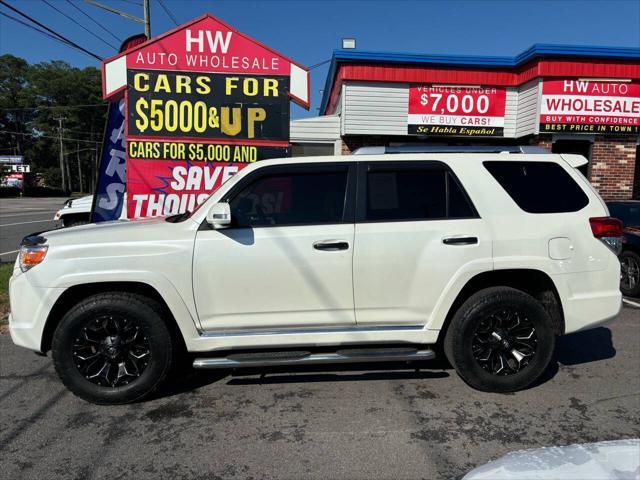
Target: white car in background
75	211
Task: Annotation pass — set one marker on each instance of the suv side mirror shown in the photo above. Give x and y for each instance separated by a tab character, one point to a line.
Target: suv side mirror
219	215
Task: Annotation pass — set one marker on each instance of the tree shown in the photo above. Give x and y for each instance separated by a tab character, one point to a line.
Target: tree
15	95
32	97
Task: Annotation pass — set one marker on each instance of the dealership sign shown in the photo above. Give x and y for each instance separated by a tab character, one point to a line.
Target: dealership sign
456	110
590	106
202	102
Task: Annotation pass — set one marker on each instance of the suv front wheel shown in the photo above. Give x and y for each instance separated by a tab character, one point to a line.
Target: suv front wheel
500	340
112	348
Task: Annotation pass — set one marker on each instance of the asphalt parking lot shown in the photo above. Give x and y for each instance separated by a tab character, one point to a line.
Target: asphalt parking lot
317	423
22	216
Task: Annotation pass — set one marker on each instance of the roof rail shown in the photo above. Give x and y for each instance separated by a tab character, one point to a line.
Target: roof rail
380	150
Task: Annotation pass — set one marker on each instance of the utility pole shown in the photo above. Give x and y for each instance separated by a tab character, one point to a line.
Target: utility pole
79	167
60	120
147	19
69	184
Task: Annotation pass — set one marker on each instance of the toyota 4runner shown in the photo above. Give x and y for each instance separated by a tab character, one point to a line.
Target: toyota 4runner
330	260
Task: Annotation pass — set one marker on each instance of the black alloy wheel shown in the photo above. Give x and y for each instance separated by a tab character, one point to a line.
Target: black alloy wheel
111	350
504	342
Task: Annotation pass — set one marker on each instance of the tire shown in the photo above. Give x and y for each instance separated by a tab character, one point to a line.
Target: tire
630	273
113	348
490	331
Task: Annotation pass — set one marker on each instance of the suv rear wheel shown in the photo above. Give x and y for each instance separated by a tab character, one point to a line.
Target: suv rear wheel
112	348
500	340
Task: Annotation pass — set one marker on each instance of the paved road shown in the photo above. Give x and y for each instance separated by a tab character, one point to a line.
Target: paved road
22	216
317	423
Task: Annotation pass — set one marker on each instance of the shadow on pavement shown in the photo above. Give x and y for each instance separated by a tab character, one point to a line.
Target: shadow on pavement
578	348
333	373
584	347
189	381
573	349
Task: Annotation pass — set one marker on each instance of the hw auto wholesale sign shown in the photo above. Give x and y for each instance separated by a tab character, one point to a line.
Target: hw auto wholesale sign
202	102
589	106
456	110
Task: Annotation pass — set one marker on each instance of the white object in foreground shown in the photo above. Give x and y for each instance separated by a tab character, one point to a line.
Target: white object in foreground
615	460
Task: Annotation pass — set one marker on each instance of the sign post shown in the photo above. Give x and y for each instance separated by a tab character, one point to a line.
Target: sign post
202	101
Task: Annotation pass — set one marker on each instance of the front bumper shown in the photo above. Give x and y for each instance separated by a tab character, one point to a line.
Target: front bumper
30	307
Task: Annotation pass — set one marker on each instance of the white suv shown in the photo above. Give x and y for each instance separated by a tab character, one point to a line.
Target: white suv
330	259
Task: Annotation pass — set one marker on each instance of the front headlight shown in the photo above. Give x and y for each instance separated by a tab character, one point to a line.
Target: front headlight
31	255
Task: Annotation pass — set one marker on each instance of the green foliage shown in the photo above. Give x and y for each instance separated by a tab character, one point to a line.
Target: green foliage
52	177
5	272
32	97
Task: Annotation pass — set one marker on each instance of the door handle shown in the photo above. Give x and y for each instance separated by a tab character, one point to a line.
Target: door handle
460	240
331	245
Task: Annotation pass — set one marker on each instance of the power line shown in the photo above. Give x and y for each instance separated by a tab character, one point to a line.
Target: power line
132	2
17	20
80	25
318	64
31	19
92	19
168	12
55	106
48	136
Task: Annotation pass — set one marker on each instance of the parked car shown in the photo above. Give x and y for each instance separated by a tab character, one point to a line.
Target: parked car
629	213
330	259
75	211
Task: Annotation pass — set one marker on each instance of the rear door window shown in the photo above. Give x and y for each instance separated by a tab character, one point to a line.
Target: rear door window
538	187
411	191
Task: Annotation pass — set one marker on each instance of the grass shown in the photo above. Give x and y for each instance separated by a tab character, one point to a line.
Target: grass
5	273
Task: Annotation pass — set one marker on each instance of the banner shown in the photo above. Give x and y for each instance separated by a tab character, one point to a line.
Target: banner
109	197
203	101
456	110
587	106
165	187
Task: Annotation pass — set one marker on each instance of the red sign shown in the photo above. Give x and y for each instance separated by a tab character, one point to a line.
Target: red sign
586	106
160	187
202	102
456	110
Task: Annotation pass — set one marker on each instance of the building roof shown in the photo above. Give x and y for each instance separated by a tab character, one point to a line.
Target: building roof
537	51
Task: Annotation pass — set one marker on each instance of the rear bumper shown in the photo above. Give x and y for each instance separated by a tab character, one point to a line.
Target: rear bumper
585	312
589	299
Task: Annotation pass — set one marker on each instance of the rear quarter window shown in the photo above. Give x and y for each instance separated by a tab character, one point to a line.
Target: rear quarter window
538	187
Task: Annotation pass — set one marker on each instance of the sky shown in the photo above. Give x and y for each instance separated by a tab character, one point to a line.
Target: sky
308	30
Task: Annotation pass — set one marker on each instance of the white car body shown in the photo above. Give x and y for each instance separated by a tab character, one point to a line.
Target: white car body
75	208
267	287
78	209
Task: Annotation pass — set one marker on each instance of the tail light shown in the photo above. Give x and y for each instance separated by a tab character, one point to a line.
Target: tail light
609	230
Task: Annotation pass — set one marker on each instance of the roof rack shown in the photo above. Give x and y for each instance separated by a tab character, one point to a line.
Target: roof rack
380	150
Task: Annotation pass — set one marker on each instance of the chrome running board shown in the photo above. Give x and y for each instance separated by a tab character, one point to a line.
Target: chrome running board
354	355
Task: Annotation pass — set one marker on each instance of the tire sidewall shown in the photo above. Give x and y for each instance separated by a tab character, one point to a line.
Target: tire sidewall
636	291
465	323
153	328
